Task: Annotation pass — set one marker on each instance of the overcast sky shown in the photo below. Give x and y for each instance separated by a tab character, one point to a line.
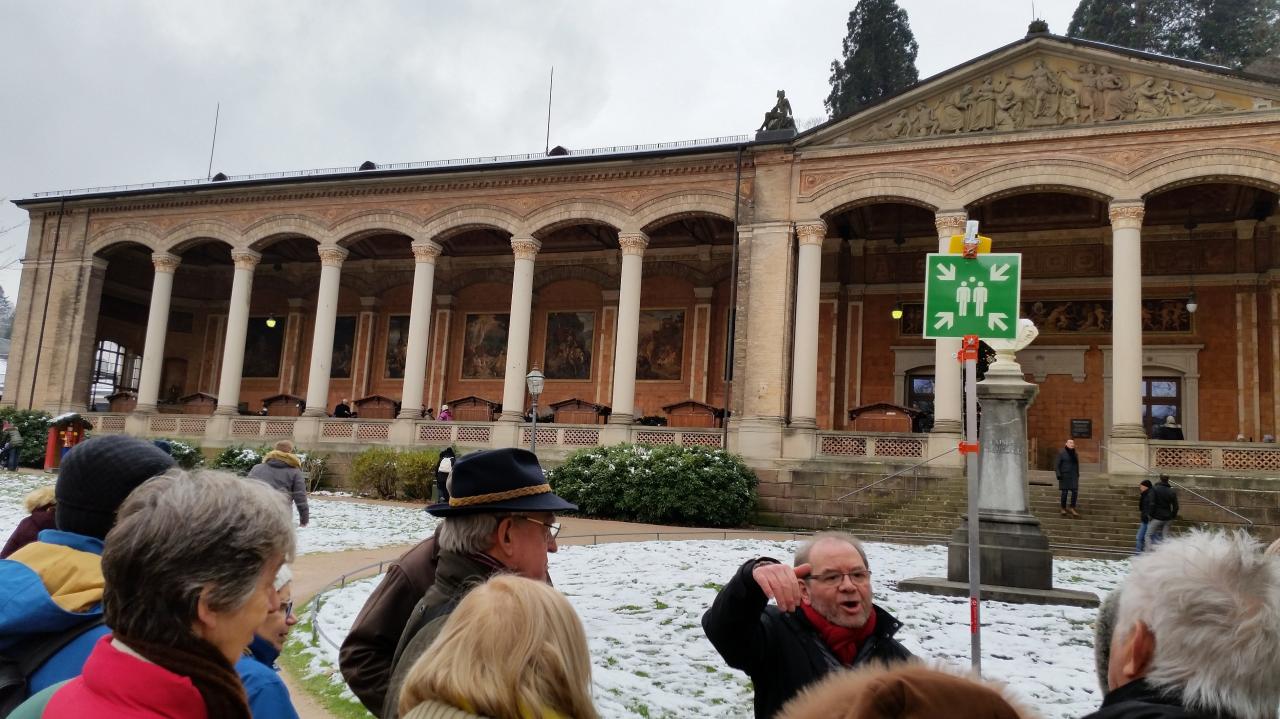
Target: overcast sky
107	93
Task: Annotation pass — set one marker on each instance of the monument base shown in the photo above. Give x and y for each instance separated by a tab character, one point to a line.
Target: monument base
992	593
772	135
1012	554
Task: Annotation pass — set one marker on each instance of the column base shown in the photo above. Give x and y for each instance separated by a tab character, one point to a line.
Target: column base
506	433
615	433
948	426
803	423
401	432
306	431
138	424
510	417
938	443
1128	453
315	412
625	418
760	437
410	413
223	411
218	428
1010	555
145	409
799	442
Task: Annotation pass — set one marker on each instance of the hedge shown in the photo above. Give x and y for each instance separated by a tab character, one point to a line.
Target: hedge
662	485
33	425
391	474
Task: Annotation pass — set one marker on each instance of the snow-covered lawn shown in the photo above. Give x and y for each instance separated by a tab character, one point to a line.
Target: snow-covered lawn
13	487
337	526
642	604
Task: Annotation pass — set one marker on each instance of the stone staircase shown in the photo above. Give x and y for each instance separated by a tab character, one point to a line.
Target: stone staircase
1106	527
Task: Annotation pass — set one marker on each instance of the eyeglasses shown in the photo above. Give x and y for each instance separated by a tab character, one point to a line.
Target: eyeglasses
287	608
831	579
553	529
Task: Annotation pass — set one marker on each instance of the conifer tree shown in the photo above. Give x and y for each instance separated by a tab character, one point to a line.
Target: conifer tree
1224	32
879	58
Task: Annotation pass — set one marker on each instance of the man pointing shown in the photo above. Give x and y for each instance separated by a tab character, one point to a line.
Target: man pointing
824	619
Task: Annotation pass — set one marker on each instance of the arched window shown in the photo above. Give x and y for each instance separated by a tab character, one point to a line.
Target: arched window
114	369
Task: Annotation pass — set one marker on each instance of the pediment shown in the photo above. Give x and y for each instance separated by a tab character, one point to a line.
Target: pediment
1046	83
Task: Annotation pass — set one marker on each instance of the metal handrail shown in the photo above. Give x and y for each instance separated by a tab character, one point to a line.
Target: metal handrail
341	582
888	477
1148	471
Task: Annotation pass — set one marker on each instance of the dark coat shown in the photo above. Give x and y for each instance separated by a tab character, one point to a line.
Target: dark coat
1164	502
782	653
1068	469
27	530
1144	504
366	654
1137	700
1167	432
286	478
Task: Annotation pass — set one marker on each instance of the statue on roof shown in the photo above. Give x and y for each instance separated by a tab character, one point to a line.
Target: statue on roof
779	118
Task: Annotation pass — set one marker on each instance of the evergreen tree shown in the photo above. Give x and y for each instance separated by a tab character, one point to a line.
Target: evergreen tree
6	315
879	58
1224	32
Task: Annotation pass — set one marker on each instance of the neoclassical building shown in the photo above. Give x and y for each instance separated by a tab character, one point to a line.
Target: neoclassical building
682	280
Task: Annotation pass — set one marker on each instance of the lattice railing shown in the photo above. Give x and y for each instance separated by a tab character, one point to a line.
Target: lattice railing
434	433
277	428
246	427
336	431
655	437
702	439
546	435
108	423
192	426
581	437
370	432
842	445
1236	457
474	434
898	447
163	424
1251	460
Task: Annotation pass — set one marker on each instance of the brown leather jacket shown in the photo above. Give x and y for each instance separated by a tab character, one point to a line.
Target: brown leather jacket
368	651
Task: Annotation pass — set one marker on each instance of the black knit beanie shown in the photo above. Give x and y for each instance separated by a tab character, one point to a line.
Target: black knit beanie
97	475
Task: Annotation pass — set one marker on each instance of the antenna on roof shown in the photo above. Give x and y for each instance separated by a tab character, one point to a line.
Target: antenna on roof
217	111
551	88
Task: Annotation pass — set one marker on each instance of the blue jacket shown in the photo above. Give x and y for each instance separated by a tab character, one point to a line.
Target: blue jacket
268	696
49	586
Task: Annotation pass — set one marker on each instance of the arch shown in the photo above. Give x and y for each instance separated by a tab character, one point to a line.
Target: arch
1040	175
899	186
189	234
463	217
136	232
567	212
257	234
551	275
372	221
498	275
719	204
1249	167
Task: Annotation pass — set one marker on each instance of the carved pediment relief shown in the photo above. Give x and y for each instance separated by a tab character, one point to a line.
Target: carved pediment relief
1042	90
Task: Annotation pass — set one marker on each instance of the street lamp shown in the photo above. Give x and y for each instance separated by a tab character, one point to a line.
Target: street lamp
534	380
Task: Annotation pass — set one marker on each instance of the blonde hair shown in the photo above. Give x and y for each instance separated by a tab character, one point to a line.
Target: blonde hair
285	446
478	663
38	497
1273	550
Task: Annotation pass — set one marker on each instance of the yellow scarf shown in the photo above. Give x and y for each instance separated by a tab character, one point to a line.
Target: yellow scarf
289	459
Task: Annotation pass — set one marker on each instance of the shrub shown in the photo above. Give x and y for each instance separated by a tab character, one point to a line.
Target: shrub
188	456
373	471
315	467
417	472
33	425
666	485
239	458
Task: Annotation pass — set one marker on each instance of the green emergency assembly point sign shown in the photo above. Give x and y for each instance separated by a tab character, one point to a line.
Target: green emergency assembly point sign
972	297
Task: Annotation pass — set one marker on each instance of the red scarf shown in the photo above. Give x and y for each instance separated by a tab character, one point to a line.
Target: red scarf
843	641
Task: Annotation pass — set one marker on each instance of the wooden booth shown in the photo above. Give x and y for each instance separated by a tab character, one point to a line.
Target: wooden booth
691	413
474	409
882	417
579	411
123	401
198	403
375	406
283	405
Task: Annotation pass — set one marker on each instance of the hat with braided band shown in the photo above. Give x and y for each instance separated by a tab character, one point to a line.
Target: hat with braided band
499	480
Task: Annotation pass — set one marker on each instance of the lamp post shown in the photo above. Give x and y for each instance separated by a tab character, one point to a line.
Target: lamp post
534	380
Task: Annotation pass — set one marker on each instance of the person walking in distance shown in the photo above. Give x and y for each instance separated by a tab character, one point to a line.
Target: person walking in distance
1068	471
1144	509
1163	510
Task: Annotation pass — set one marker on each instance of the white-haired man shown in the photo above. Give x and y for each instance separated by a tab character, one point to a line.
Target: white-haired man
1196	632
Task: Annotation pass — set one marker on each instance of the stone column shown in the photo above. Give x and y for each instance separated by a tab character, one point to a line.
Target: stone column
246	262
415	364
628	338
1128	439
331	258
513	387
157	327
948	376
804	366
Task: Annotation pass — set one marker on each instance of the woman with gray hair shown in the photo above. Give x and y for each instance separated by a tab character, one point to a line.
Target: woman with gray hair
189	570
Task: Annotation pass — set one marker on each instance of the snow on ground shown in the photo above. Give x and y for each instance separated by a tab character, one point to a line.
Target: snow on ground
13	487
337	526
642	604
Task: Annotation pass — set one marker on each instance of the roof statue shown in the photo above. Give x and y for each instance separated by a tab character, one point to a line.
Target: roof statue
778	122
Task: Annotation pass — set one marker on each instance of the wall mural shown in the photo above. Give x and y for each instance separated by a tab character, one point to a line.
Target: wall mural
1049	93
661	348
484	346
568	347
262	345
397	346
1077	316
344	347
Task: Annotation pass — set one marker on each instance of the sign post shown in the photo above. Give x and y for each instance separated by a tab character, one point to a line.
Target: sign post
969	448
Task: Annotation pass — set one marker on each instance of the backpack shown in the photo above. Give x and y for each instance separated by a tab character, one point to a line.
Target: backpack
20	661
446	465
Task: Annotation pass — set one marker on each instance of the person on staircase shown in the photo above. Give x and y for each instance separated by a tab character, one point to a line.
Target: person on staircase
1164	509
1068	471
1144	509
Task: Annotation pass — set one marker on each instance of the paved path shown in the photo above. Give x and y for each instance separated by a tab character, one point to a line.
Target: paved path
311	572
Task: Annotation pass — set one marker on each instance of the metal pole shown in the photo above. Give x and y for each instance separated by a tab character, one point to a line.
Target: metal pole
971	467
533	432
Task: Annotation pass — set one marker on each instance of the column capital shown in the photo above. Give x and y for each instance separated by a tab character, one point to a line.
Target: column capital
525	248
165	262
426	251
245	259
332	255
633	243
1126	214
950	222
811	232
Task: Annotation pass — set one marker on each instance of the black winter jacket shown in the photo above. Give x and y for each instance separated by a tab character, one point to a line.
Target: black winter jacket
1164	502
1068	469
1138	700
1144	504
782	653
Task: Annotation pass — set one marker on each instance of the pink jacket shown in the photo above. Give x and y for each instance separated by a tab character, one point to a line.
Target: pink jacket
116	684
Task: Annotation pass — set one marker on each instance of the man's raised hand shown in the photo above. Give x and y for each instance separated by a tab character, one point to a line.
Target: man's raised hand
781	583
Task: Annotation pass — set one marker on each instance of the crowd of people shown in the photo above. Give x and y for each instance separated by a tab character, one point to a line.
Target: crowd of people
166	593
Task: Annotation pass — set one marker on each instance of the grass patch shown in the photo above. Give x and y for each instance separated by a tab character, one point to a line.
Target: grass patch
319	686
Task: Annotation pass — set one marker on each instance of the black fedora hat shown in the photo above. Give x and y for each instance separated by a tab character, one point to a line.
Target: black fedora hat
499	480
